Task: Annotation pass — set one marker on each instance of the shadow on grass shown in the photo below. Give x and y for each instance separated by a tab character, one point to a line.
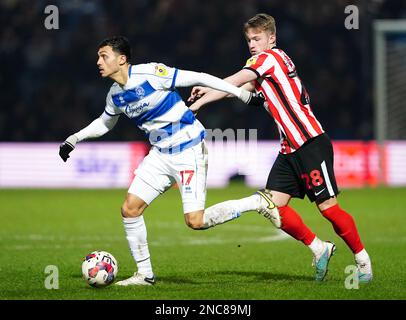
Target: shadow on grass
231	276
220	276
266	275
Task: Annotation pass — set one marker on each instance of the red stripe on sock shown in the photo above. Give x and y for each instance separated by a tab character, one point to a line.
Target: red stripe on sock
344	226
293	225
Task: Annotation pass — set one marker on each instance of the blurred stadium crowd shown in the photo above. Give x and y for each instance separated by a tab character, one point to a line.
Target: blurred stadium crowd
51	87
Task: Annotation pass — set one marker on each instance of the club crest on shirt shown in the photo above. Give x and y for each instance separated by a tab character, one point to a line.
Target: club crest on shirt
160	70
251	61
139	92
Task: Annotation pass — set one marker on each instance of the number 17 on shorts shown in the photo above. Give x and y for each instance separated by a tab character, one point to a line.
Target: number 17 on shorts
185	179
192	187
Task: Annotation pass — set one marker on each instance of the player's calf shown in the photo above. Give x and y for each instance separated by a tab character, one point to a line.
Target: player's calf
127	212
194	220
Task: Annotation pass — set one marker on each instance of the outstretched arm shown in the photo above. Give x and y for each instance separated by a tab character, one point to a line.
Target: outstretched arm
242	78
97	128
190	78
199	91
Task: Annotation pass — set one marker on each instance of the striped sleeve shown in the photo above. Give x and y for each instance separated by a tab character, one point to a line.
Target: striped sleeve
110	108
261	64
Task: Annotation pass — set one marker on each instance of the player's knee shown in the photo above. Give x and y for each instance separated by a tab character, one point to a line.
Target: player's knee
194	220
324	205
280	199
128	211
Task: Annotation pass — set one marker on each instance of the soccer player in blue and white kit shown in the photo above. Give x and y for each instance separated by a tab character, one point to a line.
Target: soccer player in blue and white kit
146	93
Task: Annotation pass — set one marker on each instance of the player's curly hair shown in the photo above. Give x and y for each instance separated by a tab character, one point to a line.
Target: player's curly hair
119	44
261	21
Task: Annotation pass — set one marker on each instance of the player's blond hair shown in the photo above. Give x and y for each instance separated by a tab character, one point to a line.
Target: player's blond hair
261	21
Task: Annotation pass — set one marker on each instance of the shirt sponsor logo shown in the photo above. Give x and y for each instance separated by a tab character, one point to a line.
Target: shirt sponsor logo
135	110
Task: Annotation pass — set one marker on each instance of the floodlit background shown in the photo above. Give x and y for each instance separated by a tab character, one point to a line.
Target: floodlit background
53	86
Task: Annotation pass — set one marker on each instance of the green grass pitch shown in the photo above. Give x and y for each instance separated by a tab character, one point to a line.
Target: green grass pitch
243	259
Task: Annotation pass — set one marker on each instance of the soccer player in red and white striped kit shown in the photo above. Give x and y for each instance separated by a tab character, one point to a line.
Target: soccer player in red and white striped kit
304	165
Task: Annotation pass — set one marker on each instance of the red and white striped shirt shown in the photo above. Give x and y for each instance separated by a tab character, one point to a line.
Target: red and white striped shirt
286	98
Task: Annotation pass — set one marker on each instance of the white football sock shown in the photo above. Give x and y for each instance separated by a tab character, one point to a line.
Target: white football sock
229	210
363	262
137	240
317	247
362	256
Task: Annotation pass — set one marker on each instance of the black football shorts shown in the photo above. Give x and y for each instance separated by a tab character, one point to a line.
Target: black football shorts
307	171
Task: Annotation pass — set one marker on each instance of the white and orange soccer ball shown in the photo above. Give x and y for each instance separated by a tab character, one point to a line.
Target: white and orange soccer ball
99	269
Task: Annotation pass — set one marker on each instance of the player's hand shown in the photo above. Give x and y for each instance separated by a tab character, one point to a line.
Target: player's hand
197	93
257	99
67	147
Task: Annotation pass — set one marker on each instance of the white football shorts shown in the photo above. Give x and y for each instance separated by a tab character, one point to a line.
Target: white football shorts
159	171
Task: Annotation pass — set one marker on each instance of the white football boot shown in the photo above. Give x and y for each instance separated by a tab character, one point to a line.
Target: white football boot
137	279
321	262
364	271
268	209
